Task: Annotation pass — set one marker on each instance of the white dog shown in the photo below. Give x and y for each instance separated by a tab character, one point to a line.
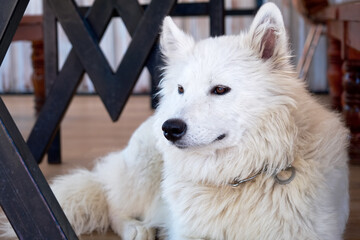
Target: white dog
237	149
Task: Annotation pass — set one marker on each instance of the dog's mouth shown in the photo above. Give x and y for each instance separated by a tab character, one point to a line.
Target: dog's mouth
181	144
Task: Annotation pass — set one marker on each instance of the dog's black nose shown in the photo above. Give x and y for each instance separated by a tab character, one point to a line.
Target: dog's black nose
174	129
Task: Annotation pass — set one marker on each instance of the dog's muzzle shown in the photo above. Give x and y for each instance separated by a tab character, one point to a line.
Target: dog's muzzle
174	129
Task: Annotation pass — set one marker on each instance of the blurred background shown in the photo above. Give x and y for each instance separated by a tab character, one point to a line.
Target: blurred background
16	69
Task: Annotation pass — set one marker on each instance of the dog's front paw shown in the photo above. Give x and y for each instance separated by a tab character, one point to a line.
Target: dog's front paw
139	232
135	230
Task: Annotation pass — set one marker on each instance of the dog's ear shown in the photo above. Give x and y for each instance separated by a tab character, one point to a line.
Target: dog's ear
267	33
173	40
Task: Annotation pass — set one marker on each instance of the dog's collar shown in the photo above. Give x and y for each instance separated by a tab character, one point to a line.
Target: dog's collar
237	181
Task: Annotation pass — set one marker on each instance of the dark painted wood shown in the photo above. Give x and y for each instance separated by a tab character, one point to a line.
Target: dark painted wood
52	112
61	85
191	9
50	46
86	46
195	10
113	91
54	151
130	13
241	12
156	75
139	49
68	78
259	3
25	195
217	17
51	66
11	13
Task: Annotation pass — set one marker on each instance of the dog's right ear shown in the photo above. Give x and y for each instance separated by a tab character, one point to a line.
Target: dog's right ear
267	34
174	41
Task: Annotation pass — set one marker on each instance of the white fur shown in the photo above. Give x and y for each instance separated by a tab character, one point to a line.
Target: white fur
269	121
121	192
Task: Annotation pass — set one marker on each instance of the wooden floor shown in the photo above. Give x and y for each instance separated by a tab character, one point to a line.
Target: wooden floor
88	133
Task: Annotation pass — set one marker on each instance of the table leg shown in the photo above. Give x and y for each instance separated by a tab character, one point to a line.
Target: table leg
351	106
38	74
334	72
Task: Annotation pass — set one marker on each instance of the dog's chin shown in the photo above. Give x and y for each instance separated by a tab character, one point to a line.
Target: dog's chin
183	145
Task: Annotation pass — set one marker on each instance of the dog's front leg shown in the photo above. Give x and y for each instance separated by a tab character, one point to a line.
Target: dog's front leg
131	229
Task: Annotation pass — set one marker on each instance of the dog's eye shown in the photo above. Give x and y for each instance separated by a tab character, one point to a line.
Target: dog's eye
220	90
180	89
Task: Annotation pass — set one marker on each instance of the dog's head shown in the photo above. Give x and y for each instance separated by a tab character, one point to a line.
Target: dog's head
228	91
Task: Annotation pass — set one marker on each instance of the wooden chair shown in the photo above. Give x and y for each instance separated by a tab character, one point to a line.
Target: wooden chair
31	29
343	33
307	9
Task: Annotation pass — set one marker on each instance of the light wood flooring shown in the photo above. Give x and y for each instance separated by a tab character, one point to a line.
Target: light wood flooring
88	133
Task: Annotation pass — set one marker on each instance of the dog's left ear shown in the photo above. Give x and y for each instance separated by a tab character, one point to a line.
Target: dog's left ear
173	41
267	34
